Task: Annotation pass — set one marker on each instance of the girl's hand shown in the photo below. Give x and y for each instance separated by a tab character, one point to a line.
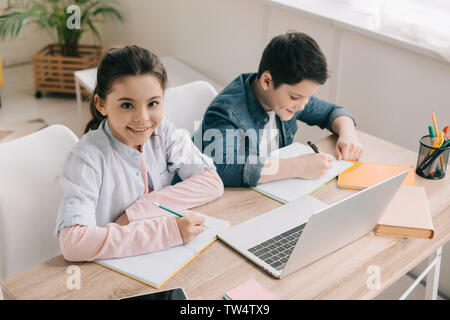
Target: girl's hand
310	166
190	226
348	147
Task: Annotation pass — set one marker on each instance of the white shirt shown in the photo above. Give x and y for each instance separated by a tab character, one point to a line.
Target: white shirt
269	138
102	176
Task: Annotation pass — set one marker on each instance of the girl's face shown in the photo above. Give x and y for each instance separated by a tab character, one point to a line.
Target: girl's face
134	107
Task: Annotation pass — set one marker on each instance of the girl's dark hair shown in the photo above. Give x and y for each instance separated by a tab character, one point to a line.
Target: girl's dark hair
119	62
292	57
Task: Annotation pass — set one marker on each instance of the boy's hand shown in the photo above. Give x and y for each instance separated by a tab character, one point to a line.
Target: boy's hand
190	226
348	147
311	166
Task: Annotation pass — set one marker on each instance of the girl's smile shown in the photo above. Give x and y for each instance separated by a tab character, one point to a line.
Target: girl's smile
134	108
138	131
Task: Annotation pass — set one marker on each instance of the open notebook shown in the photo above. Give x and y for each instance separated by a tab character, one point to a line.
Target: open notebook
287	190
156	268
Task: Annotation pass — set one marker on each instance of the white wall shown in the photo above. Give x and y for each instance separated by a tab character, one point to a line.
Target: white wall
201	33
391	90
19	50
390	87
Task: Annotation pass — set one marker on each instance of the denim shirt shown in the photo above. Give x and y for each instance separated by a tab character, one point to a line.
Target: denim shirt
232	126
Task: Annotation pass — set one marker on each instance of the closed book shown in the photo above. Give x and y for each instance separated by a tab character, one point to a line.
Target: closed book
407	215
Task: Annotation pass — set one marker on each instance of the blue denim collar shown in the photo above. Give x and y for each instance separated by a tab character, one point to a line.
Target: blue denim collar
254	107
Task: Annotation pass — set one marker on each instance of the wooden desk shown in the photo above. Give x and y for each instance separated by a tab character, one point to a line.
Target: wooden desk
340	275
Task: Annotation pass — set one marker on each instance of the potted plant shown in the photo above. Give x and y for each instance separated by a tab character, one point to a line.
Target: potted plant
65	21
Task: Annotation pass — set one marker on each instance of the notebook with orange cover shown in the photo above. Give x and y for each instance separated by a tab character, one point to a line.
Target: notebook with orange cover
156	268
365	174
407	215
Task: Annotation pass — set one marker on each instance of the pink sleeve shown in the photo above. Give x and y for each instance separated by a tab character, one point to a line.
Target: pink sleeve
86	243
189	193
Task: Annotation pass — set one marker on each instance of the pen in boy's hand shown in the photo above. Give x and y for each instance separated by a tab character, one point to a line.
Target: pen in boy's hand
313	146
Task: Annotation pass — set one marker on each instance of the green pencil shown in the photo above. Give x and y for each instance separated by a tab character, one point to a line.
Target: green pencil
173	212
167	209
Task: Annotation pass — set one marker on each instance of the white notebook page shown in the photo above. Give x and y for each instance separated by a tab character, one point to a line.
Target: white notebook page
287	190
157	267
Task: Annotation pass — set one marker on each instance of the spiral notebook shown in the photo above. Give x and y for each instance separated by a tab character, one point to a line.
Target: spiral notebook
156	268
288	190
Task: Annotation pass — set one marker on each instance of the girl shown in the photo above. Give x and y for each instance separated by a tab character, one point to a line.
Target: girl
124	162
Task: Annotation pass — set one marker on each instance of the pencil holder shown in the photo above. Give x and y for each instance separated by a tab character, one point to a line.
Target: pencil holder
432	162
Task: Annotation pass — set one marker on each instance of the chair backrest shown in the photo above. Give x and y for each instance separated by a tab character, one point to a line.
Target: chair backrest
186	104
29	197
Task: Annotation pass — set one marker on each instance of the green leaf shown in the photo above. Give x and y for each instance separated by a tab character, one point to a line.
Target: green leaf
10	24
51	16
86	11
108	12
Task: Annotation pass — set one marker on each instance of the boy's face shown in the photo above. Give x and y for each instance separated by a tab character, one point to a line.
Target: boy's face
286	99
134	108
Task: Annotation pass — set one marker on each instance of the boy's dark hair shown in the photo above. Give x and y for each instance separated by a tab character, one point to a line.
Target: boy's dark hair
292	57
119	62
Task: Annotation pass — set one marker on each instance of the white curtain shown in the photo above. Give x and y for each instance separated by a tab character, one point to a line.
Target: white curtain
426	22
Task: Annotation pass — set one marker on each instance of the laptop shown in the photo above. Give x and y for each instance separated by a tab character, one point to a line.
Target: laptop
300	232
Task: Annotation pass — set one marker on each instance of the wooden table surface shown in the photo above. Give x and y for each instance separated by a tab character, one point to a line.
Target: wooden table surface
342	274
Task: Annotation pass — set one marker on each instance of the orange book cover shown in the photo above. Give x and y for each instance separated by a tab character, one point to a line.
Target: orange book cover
365	174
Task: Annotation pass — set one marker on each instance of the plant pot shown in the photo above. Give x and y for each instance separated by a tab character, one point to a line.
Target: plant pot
54	72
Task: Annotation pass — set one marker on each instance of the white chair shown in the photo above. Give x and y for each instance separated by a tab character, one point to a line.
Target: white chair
186	104
29	197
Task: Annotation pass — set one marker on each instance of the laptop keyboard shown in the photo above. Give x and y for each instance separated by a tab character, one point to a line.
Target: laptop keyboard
277	250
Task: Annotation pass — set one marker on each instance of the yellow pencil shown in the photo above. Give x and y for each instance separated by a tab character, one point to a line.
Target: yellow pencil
434	123
436	130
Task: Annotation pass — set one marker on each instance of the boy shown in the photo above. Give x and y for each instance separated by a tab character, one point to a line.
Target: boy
257	113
